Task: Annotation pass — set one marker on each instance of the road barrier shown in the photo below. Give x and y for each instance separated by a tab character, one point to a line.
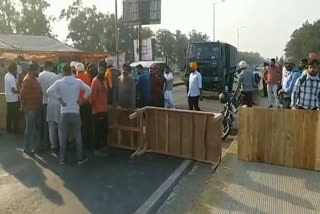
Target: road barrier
180	133
186	134
281	137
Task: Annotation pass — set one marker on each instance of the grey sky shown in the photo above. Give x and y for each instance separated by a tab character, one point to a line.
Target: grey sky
266	25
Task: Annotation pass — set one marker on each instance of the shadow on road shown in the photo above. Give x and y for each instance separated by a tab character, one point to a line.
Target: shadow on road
114	184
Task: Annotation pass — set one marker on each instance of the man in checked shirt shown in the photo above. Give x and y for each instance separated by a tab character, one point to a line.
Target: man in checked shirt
306	92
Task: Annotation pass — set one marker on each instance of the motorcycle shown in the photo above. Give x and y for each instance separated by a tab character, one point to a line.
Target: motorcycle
231	103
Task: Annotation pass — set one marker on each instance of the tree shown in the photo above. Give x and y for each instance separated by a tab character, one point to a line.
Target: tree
304	40
8	17
196	36
33	20
180	47
251	58
166	44
87	27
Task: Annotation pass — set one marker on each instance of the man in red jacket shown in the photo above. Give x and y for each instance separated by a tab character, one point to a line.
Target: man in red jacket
99	101
31	101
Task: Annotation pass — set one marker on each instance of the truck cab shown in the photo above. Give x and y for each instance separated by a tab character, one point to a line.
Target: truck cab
217	62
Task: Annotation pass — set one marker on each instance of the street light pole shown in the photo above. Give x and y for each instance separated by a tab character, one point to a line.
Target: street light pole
214	19
116	33
238	36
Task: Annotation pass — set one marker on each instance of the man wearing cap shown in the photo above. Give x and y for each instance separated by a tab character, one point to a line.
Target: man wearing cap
291	79
195	88
143	88
44	81
247	84
73	67
125	91
111	76
85	106
99	102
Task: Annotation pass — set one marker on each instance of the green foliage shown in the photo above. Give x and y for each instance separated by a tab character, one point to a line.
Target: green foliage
33	20
304	40
251	58
8	16
196	36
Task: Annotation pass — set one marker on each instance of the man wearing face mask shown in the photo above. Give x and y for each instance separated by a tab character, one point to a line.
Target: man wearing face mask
291	79
306	92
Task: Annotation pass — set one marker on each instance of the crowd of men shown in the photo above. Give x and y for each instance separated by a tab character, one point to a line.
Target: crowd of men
62	103
291	87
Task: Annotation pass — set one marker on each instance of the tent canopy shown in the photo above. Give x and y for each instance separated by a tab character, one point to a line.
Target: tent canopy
27	43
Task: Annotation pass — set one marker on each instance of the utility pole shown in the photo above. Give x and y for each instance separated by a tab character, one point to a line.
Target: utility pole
117	33
238	36
214	19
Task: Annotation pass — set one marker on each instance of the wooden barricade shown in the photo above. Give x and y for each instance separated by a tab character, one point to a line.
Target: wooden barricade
281	137
180	133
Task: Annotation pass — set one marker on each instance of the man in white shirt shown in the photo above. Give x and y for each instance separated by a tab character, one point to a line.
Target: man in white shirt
195	88
67	91
168	98
44	81
12	99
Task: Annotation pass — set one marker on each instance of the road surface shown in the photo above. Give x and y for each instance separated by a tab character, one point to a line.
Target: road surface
113	185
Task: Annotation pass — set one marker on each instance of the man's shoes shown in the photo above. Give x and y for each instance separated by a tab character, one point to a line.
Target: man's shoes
270	106
84	159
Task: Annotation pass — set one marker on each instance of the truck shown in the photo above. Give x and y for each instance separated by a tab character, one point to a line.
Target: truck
217	63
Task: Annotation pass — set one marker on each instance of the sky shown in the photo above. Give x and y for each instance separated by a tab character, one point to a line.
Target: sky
265	26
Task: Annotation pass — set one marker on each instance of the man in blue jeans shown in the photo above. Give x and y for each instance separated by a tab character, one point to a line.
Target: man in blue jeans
31	101
67	91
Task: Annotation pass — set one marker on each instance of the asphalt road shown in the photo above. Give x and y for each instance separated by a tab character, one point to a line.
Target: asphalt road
113	185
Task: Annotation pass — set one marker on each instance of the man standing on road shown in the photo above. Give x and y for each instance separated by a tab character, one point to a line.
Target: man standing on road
111	76
125	91
306	92
274	76
168	98
53	113
304	66
12	99
67	90
195	88
99	101
247	84
290	81
143	88
85	107
157	87
31	101
44	81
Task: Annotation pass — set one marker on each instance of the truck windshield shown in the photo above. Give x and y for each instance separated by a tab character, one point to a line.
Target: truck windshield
204	51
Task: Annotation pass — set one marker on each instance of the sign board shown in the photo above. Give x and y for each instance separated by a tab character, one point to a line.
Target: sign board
144	12
122	59
146	50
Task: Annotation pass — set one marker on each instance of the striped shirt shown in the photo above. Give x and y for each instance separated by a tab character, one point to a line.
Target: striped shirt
306	93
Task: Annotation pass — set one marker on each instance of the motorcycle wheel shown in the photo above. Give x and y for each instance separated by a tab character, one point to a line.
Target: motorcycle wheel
226	128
